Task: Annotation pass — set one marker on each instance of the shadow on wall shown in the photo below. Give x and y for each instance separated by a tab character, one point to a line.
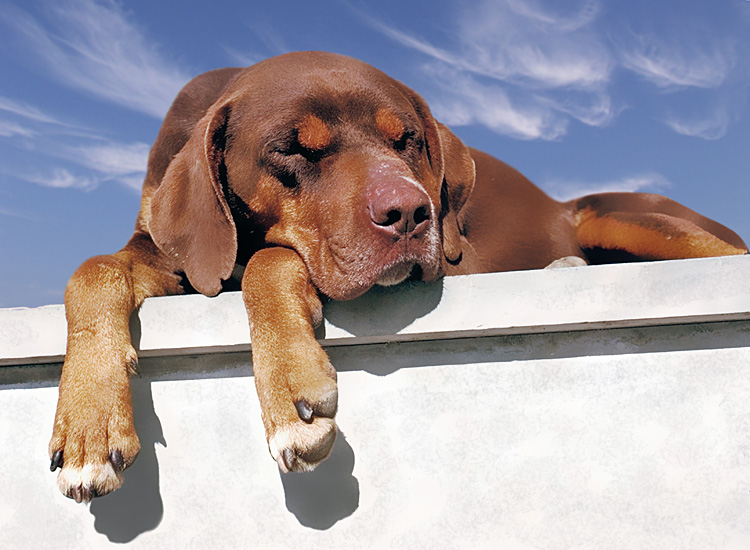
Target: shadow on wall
326	495
383	311
139	495
318	499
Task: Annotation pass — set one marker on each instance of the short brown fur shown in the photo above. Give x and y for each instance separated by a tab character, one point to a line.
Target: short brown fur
231	181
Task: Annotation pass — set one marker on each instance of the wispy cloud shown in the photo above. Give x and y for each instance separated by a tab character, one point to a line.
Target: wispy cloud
265	30
50	138
15	214
31	121
114	161
567	190
61	178
534	66
94	46
243	59
712	128
11	129
468	101
519	43
532	45
592	109
519	68
97	164
672	66
26	111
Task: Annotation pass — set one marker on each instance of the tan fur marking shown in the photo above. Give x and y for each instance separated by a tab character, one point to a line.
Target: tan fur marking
302	438
99	476
649	236
313	134
389	124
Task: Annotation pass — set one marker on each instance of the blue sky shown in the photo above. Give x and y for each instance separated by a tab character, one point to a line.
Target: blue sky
594	95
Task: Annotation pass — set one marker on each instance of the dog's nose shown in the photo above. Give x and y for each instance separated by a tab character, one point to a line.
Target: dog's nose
398	206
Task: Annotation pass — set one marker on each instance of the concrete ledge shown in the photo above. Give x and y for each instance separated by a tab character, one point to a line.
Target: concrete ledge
588	408
584	298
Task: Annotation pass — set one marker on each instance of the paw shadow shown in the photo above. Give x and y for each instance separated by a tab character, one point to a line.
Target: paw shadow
326	495
137	506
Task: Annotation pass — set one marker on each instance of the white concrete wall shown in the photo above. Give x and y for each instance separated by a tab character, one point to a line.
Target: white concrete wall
598	407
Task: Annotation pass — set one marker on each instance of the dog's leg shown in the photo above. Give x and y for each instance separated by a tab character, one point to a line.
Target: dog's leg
93	439
295	381
649	227
651	236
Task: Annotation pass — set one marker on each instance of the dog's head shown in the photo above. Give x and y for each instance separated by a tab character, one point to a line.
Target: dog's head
325	155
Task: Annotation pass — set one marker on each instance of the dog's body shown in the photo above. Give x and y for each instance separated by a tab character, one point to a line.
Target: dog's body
323	177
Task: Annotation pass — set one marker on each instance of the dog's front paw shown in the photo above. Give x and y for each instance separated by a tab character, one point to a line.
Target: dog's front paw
301	446
93	439
298	409
92	449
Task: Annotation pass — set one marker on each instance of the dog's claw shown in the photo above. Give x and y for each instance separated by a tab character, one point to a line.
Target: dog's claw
56	462
289	459
83	494
115	457
304	410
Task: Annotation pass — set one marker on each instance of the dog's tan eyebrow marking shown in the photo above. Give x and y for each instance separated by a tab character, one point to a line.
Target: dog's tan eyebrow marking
313	133
389	124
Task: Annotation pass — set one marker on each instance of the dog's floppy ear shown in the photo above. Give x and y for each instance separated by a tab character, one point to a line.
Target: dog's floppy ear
190	218
458	182
453	166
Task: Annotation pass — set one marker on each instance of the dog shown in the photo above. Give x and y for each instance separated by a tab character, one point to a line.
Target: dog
323	177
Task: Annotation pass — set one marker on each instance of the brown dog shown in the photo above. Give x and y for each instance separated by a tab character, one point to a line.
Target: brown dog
323	176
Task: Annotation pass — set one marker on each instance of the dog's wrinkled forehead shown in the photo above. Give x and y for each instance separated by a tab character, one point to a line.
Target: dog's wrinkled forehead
314	126
311	100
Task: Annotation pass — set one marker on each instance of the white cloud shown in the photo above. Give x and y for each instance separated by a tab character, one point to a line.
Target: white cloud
678	64
713	123
124	163
531	9
243	59
20	215
61	178
407	39
114	160
704	65
105	161
134	182
567	190
709	128
536	65
11	129
27	111
34	121
526	43
520	43
592	109
467	101
519	68
95	47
